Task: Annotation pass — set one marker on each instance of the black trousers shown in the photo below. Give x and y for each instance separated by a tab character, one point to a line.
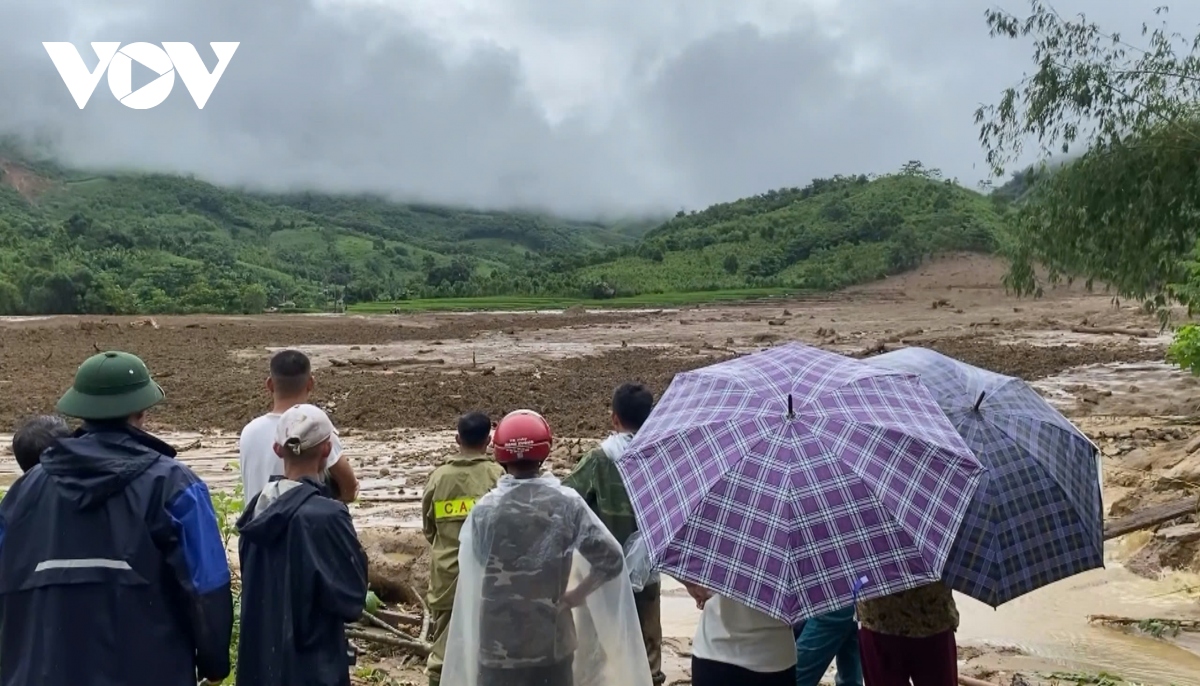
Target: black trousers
560	674
709	673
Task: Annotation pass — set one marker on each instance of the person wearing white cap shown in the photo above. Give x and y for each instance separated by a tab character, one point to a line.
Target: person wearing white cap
304	572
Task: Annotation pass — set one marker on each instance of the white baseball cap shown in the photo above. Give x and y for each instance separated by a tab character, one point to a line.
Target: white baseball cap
303	427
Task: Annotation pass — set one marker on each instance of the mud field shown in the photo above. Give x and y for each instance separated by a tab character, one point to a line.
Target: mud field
395	384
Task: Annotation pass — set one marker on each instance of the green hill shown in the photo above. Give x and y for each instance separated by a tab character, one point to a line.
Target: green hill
72	242
831	234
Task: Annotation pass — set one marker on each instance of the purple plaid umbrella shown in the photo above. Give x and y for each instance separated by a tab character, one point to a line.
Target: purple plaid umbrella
797	481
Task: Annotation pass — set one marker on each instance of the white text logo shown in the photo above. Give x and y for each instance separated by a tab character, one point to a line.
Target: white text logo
118	61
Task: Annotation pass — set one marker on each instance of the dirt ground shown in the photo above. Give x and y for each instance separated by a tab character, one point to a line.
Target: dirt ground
429	368
395	383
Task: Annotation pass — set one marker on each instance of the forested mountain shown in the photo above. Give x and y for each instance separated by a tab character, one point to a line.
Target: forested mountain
73	242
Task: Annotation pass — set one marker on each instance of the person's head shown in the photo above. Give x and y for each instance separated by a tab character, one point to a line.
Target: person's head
522	442
34	436
631	406
291	375
304	440
474	432
111	387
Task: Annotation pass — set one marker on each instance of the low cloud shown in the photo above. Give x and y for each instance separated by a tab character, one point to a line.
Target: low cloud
611	107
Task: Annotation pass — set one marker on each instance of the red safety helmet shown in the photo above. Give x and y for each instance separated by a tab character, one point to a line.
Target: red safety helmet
522	436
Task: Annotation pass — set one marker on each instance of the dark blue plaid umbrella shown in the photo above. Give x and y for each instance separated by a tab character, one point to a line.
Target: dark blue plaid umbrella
1037	516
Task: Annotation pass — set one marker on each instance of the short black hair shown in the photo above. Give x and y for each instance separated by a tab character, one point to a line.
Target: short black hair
474	428
632	403
34	435
290	370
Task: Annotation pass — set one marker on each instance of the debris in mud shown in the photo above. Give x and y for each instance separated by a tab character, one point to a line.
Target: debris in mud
1155	626
377	362
397	564
1114	331
1086	395
939	303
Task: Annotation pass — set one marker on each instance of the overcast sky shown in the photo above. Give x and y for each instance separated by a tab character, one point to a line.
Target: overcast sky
577	106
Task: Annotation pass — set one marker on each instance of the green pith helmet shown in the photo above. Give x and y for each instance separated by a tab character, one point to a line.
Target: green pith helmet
111	385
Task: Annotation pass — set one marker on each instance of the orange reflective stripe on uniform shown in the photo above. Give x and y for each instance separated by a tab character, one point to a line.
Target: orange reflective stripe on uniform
453	509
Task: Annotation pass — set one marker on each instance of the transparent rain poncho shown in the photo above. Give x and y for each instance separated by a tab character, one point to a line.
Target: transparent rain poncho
528	548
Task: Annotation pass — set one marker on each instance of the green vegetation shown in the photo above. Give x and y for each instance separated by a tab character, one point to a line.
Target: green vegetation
125	243
1123	212
831	234
152	243
228	506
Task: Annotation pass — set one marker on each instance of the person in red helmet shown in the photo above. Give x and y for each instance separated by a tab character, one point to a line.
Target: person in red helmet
544	598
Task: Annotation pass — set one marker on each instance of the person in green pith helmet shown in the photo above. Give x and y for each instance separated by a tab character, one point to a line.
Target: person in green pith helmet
112	537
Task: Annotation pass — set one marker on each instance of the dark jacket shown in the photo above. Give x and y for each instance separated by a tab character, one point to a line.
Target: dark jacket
304	575
112	568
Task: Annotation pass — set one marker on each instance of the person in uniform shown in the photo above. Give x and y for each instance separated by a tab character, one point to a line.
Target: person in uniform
450	494
535	562
596	479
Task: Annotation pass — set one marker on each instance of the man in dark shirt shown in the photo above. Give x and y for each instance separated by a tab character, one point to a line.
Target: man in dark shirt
525	535
304	573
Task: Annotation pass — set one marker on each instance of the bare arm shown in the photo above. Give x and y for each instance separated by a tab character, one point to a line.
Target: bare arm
343	475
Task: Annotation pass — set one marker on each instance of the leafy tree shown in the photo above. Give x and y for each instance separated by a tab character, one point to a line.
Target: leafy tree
731	263
254	298
1123	210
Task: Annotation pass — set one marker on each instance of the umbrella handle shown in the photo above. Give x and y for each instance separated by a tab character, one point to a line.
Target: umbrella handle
978	402
858	586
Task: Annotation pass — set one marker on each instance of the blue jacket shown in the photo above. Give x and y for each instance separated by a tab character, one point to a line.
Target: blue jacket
304	576
112	568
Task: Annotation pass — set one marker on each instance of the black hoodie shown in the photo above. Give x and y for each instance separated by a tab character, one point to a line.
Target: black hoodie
304	576
112	568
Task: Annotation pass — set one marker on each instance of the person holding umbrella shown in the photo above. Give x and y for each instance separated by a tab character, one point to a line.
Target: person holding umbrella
736	644
1036	518
823	639
797	482
908	638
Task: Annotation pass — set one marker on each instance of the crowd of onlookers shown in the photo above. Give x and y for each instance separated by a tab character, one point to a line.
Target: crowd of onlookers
113	569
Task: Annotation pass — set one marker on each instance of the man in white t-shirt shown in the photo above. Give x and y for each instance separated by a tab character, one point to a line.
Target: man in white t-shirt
290	384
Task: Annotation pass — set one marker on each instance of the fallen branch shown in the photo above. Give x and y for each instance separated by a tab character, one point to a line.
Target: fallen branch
426	618
1151	516
371	618
190	446
395	362
877	349
398	618
419	648
1114	331
971	681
